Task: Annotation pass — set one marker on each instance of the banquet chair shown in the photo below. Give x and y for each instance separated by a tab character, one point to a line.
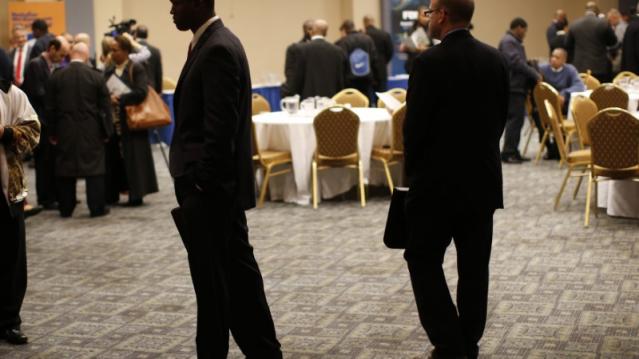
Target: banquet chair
541	93
397	93
531	130
168	83
351	97
609	95
583	110
576	160
614	136
336	133
589	81
624	75
267	160
259	104
395	153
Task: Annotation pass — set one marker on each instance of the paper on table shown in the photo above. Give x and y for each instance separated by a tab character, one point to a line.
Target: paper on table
117	87
392	104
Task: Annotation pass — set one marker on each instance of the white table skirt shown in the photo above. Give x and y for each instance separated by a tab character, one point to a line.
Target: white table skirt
284	132
620	198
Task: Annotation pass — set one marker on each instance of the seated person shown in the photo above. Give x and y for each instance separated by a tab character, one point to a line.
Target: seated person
562	76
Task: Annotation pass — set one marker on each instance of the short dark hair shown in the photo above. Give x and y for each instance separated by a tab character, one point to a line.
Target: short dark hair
40	24
55	43
124	43
142	32
518	22
459	11
348	26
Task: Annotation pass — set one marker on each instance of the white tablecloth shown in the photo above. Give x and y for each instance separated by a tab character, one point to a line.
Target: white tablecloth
295	133
620	198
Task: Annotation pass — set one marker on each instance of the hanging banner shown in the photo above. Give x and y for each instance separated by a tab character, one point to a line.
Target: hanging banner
24	13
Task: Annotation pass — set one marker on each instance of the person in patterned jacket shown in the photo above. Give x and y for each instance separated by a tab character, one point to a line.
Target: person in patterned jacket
19	134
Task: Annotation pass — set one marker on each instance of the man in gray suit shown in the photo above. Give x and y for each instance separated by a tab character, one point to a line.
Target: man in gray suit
588	41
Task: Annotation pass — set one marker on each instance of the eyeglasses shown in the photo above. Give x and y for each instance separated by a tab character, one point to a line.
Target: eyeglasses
429	12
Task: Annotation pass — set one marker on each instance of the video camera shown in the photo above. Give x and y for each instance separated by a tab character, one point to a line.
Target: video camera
125	26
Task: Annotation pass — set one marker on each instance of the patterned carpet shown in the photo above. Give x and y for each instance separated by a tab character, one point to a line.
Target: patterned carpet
118	287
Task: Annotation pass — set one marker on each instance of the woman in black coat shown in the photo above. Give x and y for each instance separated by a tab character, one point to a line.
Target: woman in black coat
137	167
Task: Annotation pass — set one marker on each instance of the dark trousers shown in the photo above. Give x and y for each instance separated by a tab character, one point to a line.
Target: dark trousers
514	124
454	331
227	280
44	156
67	194
363	85
13	263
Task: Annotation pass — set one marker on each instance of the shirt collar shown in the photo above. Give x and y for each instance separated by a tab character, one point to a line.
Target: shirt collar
200	31
317	37
557	70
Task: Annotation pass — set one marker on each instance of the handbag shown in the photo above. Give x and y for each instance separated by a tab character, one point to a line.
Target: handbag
396	232
151	113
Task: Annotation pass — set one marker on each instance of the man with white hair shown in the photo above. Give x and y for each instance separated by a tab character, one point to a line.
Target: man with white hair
85	39
79	125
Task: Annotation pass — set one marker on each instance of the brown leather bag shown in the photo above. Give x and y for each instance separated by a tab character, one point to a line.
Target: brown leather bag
151	113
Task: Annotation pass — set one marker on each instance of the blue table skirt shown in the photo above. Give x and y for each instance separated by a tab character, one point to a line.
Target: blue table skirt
400	81
272	95
166	132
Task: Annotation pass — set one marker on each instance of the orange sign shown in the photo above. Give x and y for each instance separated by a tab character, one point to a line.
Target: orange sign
23	13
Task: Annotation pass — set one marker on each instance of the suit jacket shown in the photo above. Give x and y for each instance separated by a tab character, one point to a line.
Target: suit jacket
457	106
79	113
26	55
293	53
41	45
630	48
153	67
522	75
36	76
384	46
588	40
320	71
212	138
357	40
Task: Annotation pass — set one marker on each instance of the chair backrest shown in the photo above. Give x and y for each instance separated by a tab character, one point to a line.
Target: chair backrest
545	92
614	136
590	81
254	145
397	139
609	95
168	83
583	110
397	93
336	132
259	104
351	97
558	135
623	75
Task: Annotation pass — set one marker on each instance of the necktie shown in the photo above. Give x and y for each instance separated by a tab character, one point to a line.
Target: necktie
18	75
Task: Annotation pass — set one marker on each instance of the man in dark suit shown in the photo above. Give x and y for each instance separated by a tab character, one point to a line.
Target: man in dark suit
79	114
40	30
384	46
588	41
522	78
211	162
153	65
20	54
292	59
443	204
355	44
321	66
630	48
558	24
35	86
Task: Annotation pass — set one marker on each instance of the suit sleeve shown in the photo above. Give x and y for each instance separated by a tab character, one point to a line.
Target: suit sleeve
221	80
104	108
51	101
139	87
610	37
159	72
389	50
517	62
291	71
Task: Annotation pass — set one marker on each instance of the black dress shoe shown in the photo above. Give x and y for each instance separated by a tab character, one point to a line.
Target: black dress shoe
50	206
14	336
512	159
522	158
101	213
30	211
133	203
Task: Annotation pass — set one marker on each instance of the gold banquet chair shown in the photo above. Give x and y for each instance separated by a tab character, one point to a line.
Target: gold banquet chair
545	92
397	93
576	160
589	81
609	95
351	97
623	75
168	83
583	110
614	135
267	160
336	132
392	155
259	104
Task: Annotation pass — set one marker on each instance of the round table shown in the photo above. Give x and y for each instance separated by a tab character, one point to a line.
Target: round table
282	131
619	198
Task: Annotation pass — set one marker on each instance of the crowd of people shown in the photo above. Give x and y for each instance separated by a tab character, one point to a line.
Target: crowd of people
84	127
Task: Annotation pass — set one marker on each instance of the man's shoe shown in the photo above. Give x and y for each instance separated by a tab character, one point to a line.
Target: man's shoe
50	206
102	213
512	159
522	158
14	336
438	355
30	211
